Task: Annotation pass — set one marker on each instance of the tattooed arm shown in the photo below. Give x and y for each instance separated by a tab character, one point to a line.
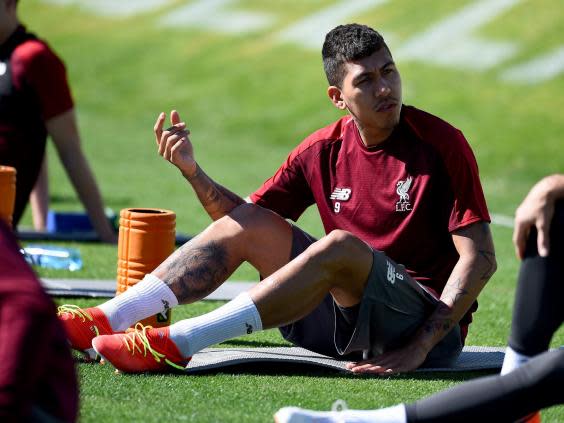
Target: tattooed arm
175	146
475	266
216	199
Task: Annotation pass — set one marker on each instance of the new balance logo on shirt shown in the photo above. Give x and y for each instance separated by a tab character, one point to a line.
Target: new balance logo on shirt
341	194
392	274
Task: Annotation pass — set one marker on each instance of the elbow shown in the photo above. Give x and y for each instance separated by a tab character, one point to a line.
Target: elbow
487	263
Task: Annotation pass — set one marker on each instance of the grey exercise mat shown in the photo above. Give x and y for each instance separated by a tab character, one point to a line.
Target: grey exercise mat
107	288
472	358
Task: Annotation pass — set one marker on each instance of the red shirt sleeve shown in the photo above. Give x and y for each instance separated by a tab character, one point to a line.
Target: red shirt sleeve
469	204
36	66
469	201
287	192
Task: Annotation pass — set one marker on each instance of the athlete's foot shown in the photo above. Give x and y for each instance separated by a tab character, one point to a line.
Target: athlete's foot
143	349
83	325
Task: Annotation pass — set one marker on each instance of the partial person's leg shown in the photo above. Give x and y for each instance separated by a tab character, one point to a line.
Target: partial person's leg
507	398
249	233
538	310
535	385
39	198
339	263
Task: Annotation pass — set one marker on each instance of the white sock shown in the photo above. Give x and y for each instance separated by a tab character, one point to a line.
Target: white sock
146	298
512	360
395	414
238	317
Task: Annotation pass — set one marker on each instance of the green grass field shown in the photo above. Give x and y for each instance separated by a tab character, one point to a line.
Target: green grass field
248	99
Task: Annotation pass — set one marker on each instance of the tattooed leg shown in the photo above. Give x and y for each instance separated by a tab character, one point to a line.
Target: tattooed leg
249	233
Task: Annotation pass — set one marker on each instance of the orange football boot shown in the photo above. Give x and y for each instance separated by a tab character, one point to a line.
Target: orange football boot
142	349
82	326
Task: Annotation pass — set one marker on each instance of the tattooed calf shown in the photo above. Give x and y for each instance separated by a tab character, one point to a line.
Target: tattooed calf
195	271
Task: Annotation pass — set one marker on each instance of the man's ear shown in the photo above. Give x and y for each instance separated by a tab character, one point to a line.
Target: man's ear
336	97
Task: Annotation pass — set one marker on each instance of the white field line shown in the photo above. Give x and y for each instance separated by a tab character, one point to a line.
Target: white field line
216	15
113	8
310	32
540	69
451	42
502	220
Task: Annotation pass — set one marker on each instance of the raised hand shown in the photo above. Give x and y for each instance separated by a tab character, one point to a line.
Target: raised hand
174	144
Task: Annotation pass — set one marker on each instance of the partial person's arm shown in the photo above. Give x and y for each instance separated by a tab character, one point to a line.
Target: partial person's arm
474	268
175	146
39	198
63	129
537	210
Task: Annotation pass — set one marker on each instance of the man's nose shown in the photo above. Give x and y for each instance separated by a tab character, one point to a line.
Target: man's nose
383	89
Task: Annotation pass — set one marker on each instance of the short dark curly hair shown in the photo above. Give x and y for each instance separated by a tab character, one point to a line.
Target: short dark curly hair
346	43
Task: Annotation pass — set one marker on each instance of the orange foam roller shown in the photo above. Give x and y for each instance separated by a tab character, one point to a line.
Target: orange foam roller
7	193
146	239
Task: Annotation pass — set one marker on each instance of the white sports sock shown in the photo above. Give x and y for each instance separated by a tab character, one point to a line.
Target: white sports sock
238	317
147	298
512	360
395	414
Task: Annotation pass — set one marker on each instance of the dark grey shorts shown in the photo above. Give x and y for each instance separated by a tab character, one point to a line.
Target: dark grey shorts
393	307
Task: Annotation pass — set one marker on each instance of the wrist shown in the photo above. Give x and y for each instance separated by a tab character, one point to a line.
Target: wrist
191	172
424	341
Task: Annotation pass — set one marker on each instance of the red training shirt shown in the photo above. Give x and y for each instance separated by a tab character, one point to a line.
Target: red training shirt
33	89
403	197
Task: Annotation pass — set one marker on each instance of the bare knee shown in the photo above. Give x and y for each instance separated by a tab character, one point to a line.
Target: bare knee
256	235
342	252
248	217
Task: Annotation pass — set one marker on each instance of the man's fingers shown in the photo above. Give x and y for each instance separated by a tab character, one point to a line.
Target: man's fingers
179	126
174	117
520	234
369	366
543	238
158	128
372	368
173	143
174	131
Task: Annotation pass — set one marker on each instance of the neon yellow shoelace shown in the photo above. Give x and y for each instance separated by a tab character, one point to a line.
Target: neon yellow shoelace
74	310
140	333
77	311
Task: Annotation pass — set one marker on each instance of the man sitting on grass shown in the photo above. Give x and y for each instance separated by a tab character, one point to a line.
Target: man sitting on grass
392	285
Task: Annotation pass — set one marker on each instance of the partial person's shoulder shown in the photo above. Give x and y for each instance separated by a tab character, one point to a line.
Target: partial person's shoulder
34	52
426	125
325	136
434	131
